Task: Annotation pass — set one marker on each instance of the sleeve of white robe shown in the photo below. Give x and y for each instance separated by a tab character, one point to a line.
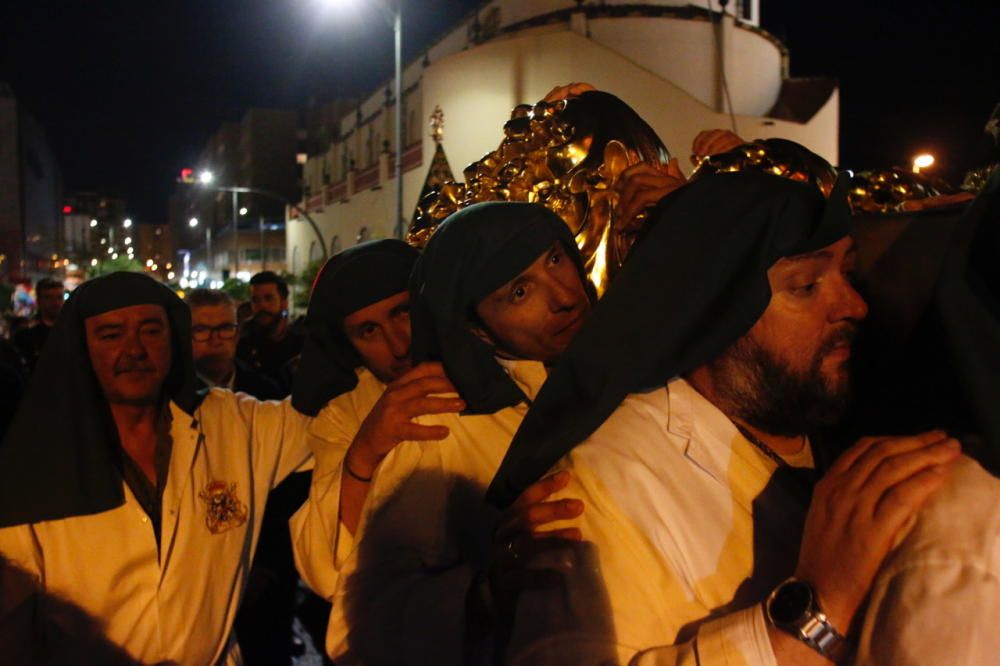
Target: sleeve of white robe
21	579
320	543
572	624
278	438
935	600
402	594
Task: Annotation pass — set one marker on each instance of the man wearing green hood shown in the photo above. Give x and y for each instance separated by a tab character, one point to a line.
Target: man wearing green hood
683	411
127	492
357	381
496	296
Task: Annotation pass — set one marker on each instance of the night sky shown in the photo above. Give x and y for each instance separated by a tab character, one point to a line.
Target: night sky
129	91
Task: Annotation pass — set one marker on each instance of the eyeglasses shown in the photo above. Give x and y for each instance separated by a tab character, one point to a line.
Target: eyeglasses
224	331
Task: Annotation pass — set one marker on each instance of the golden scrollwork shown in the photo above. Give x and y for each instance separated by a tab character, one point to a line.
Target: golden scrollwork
566	155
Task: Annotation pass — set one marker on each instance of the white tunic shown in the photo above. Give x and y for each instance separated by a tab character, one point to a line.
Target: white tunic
399	588
669	488
320	543
175	603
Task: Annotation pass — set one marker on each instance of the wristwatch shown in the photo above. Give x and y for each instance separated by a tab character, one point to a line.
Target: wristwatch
793	607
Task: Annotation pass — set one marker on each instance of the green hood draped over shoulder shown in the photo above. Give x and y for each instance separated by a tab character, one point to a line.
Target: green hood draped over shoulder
695	282
61	455
471	254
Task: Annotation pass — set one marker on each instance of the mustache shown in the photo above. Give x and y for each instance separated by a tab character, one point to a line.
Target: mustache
133	366
839	337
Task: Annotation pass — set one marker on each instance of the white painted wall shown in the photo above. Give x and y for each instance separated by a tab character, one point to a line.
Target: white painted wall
478	87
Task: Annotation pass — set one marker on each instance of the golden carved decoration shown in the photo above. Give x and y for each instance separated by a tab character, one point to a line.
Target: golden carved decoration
566	155
775	156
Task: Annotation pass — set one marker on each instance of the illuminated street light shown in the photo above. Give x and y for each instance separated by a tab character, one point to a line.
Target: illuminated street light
170	275
206	177
149	262
193	222
111	250
243	210
127	223
114	256
93	262
128	240
93	223
922	161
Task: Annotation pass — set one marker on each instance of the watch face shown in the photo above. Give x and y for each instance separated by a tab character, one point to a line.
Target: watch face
791	602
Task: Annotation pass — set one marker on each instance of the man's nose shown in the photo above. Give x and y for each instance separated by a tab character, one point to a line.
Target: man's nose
561	296
849	303
133	345
399	341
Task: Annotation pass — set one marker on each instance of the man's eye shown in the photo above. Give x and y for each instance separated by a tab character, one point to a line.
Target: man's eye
803	290
556	257
368	331
518	293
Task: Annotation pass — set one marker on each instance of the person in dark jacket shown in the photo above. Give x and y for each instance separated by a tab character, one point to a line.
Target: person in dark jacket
214	335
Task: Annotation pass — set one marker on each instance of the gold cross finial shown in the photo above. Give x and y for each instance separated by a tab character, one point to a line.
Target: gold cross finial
437	124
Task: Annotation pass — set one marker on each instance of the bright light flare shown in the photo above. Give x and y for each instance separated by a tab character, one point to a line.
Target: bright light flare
922	161
93	223
206	177
243	210
193	222
127	223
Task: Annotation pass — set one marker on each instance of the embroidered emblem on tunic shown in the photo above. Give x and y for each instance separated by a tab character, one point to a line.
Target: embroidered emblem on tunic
225	510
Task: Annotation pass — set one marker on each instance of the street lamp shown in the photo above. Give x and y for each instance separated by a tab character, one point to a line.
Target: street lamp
392	12
206	177
127	222
244	211
922	161
264	193
93	223
193	222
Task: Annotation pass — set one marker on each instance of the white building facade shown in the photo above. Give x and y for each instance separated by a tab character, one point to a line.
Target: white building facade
682	67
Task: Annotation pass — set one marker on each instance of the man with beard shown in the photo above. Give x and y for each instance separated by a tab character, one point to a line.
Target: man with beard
129	493
214	334
49	295
704	531
495	298
269	343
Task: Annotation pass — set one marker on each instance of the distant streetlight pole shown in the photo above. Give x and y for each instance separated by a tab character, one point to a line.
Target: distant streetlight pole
397	29
206	179
236	233
392	12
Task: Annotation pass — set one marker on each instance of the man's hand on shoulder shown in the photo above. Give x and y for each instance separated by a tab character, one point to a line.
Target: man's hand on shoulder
871	492
519	536
390	421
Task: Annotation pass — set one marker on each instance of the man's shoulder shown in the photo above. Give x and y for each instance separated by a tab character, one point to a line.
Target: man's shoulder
961	521
639	416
